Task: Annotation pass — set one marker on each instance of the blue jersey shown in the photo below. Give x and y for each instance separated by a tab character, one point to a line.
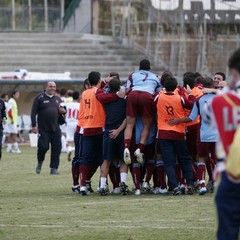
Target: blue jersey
145	81
207	132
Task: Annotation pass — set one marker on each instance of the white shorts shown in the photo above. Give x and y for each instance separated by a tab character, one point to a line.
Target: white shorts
70	130
63	128
5	128
11	128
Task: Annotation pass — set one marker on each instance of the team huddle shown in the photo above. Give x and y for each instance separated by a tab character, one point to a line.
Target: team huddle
159	132
151	127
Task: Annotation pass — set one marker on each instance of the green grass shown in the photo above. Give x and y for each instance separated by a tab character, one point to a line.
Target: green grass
43	207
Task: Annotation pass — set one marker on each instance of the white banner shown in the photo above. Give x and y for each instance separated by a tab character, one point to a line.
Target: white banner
216	11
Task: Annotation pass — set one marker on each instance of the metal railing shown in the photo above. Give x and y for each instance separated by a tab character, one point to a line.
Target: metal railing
23	16
178	40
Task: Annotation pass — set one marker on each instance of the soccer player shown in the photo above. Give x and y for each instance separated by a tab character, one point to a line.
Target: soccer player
218	77
207	137
142	85
113	138
78	140
62	95
2	122
192	128
78	149
172	138
165	75
188	98
94	121
71	122
69	96
225	111
12	116
48	110
77	153
5	98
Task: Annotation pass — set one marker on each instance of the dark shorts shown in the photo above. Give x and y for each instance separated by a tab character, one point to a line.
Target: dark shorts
140	103
191	139
91	154
205	149
113	148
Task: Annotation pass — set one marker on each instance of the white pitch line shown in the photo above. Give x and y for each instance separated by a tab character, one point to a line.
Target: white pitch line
128	221
146	226
140	201
31	225
102	227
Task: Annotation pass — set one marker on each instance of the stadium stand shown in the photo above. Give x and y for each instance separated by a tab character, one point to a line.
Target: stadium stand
59	52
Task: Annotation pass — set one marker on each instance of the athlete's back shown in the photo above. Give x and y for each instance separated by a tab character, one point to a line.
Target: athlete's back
145	81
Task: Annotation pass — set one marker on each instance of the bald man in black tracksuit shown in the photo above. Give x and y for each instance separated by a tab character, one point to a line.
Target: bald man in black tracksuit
48	110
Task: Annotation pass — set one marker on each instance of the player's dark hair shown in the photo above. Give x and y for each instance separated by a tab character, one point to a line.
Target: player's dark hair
164	76
208	82
69	93
14	92
86	82
63	91
221	74
114	85
170	84
114	74
94	78
187	73
234	61
197	74
189	79
199	80
4	95
75	95
144	65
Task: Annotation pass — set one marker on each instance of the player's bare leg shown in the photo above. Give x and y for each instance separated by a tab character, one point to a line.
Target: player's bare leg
13	144
105	168
9	142
70	149
103	179
127	138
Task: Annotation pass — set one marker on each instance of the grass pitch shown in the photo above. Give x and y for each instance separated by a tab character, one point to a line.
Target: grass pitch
43	207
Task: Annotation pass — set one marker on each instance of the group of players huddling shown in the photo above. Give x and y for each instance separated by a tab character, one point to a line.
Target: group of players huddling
151	127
